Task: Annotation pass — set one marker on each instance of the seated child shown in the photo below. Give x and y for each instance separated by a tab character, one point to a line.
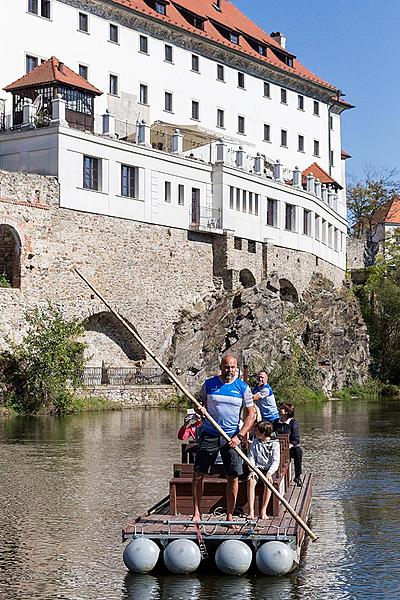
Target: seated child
264	453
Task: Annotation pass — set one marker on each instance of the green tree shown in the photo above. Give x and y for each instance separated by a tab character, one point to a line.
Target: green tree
43	371
380	304
367	194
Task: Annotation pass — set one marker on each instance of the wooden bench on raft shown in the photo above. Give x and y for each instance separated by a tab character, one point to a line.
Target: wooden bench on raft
215	484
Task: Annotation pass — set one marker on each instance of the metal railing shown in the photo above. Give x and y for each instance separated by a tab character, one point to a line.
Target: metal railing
123	376
205	219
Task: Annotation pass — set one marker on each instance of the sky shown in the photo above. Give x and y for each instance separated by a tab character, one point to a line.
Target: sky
353	44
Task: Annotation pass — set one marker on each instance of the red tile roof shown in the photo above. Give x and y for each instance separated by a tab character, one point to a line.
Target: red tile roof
320	174
393	215
233	19
52	71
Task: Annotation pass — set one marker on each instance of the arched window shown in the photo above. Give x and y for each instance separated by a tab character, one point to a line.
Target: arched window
288	292
10	257
247	278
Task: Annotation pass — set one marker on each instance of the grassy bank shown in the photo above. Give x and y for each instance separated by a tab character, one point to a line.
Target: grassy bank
78	404
371	390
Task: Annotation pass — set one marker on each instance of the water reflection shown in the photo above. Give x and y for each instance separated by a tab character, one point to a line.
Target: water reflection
68	485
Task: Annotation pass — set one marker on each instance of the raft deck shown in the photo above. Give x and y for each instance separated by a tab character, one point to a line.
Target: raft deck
157	524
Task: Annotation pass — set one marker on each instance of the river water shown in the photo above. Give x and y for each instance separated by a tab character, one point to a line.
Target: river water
68	485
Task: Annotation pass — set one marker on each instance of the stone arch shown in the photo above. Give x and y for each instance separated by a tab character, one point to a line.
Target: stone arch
10	255
288	292
110	343
247	278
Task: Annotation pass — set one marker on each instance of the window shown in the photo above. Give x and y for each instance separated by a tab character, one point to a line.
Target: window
307	222
40	8
231	197
300	143
251	202
234	38
33	7
31	62
113	85
114	34
272	212
128	181
332	158
241	80
195	63
323	228
168	53
220	73
241	124
317	230
330	122
168	102
220	118
251	246
83	71
181	194
238	199
83	22
336	240
261	50
161	8
244	201
91	173
195	110
300	102
330	236
290	217
267	133
237	243
283	96
143	93
143	44
316	108
256	203
167	191
316	148
267	90
284	138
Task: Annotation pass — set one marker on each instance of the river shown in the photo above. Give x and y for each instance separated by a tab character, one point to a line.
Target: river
68	485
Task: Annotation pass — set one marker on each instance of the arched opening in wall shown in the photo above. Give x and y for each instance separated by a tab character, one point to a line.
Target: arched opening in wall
109	343
247	278
10	257
288	292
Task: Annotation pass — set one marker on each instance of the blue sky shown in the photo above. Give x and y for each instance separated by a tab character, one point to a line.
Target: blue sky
353	44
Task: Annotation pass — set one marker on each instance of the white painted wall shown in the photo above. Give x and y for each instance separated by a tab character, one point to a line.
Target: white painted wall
60	36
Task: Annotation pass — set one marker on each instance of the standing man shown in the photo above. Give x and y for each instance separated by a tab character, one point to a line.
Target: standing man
264	398
223	397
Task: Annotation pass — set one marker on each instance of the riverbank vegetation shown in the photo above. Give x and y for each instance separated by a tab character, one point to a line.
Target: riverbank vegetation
44	371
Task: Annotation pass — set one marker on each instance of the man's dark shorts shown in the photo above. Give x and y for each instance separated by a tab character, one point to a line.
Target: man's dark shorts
207	453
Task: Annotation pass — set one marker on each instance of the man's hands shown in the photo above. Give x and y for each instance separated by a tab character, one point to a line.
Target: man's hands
235	441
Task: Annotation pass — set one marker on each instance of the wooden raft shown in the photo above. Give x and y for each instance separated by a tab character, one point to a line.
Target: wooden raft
281	526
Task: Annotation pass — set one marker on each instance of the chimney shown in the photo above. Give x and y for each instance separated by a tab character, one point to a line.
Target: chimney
61	67
279	37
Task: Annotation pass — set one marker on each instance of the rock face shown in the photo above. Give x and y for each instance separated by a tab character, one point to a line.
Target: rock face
263	330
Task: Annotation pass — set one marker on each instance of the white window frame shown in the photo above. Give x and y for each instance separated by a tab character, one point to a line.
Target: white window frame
83	14
115	28
113	79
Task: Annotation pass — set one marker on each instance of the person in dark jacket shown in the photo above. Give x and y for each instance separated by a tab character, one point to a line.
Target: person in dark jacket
288	424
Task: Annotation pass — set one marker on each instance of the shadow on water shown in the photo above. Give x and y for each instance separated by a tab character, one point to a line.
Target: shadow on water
68	486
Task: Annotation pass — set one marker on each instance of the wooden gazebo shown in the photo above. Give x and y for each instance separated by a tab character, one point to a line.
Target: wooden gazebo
44	83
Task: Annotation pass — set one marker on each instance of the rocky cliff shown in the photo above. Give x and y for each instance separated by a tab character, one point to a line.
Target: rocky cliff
265	330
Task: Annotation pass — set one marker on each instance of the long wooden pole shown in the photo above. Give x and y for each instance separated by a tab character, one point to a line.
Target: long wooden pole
186	392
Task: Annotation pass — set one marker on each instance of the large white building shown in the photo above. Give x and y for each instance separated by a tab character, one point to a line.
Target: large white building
204	120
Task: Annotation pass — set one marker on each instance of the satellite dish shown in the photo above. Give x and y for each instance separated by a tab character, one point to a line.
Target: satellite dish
38	103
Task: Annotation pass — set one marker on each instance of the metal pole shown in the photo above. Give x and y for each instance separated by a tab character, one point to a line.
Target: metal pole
185	391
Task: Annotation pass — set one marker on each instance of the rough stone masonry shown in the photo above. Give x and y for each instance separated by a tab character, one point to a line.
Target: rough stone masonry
150	273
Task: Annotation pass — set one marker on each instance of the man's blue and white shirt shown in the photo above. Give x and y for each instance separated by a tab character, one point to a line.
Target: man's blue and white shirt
266	403
224	403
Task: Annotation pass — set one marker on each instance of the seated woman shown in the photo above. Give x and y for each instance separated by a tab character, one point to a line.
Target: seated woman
288	424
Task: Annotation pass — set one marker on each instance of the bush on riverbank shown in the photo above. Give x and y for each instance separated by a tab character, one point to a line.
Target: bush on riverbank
42	373
371	390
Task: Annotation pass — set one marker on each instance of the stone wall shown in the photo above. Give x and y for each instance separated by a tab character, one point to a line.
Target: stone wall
355	253
133	396
150	273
